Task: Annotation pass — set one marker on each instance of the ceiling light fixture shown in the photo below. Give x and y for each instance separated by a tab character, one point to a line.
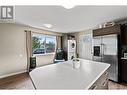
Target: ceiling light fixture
47	25
68	6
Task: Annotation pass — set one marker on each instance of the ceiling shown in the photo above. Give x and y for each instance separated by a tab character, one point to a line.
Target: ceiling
64	20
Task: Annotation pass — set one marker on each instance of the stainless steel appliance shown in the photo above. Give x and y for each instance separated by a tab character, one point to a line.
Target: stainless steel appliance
105	49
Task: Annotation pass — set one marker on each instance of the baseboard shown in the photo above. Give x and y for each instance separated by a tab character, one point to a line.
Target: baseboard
7	75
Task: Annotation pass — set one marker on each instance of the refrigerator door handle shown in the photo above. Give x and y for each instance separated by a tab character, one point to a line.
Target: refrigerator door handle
103	48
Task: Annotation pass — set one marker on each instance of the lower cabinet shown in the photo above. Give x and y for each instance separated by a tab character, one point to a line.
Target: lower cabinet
101	83
124	70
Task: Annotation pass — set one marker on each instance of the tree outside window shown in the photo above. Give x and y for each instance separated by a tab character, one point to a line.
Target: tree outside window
42	44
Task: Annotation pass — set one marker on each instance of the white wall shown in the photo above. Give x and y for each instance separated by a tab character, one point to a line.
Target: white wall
45	59
12	49
13	57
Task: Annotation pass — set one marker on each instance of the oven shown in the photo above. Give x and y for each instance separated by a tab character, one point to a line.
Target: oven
97	53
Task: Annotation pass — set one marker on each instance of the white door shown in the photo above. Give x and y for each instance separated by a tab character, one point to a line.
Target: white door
85	46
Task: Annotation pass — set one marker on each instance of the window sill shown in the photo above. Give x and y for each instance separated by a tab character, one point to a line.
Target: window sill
34	55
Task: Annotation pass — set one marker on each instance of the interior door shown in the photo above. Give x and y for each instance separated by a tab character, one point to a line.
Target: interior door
85	46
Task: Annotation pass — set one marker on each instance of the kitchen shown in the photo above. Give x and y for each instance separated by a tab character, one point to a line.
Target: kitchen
87	58
104	45
107	47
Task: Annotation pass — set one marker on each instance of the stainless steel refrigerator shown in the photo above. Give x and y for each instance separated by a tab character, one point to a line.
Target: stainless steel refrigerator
105	49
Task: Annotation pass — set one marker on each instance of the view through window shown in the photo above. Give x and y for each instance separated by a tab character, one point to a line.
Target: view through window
42	44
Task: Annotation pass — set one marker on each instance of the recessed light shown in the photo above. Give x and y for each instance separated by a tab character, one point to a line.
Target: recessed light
47	25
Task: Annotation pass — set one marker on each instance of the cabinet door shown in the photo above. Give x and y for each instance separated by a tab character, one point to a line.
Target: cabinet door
124	70
106	31
124	34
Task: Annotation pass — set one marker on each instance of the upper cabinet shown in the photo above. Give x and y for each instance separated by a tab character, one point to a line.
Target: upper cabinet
106	31
124	34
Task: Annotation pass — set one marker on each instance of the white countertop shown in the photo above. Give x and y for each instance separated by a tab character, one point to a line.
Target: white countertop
64	76
123	58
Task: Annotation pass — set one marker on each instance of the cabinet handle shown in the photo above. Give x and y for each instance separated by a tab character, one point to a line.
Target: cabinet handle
104	83
106	73
107	79
94	87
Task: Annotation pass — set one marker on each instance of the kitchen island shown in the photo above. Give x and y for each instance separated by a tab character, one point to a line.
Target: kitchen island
90	75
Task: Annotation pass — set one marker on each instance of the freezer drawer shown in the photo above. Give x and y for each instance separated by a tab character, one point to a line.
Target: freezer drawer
113	70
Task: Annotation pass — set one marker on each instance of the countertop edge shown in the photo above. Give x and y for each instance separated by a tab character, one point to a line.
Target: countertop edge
97	78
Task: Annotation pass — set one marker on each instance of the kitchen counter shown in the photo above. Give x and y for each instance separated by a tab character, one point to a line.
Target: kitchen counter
64	76
124	58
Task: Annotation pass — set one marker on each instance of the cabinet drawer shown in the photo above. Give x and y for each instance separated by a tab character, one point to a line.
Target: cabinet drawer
104	85
101	83
102	79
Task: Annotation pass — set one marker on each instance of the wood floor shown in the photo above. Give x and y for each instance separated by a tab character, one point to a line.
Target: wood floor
117	86
20	81
23	81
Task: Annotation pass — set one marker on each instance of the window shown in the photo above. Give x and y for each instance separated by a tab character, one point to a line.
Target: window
42	44
50	44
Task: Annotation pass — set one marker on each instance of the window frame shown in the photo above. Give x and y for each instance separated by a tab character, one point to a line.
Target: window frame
45	35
